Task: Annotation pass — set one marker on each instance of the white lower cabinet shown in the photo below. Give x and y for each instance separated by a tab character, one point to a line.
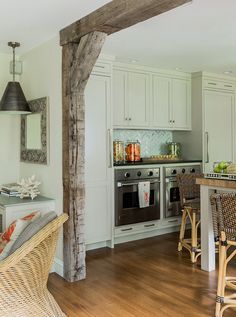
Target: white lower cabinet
136	228
14	208
218	127
98	176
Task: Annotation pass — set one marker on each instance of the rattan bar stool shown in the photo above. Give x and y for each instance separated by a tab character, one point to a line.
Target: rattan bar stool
224	224
190	203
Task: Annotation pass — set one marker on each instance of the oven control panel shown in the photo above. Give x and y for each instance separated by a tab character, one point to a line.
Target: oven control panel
173	171
133	174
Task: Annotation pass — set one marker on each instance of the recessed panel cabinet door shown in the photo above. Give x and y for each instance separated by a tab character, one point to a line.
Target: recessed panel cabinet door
97	174
181	104
138	94
218	130
161	111
120	109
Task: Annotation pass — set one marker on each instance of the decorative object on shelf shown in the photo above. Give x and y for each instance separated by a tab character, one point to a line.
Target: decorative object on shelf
13	100
34	133
28	187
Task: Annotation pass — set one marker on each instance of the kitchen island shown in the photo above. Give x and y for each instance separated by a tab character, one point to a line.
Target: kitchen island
209	186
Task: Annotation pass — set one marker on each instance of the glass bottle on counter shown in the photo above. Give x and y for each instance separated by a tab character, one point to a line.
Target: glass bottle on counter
132	151
118	152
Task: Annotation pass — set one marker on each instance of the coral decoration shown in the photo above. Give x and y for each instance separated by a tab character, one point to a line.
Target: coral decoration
29	187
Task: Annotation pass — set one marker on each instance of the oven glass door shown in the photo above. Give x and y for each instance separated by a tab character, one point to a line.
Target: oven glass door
127	203
173	207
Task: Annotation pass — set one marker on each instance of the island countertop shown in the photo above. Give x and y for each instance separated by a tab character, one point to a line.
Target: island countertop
212	182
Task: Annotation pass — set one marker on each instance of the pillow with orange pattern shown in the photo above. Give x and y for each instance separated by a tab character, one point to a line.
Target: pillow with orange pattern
8	237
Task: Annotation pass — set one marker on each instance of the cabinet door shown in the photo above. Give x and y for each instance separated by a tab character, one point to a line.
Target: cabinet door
120	110
97	173
218	128
161	107
181	104
138	94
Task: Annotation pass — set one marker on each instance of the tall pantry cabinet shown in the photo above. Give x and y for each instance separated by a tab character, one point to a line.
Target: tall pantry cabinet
98	171
213	119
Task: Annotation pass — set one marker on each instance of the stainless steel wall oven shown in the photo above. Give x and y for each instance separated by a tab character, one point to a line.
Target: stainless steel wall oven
127	210
172	205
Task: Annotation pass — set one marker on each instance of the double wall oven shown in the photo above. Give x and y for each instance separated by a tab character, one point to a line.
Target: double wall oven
172	205
127	210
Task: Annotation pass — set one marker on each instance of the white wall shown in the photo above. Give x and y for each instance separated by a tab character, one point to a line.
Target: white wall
42	77
9	131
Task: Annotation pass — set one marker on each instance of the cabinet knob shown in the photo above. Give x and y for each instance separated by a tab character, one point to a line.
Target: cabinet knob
126	119
170	121
173	121
129	119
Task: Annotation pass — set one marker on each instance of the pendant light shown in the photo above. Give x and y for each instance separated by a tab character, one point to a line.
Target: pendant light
13	100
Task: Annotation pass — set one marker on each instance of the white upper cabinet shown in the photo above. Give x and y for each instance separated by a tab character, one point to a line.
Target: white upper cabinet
181	104
144	99
120	109
131	97
171	107
161	110
138	99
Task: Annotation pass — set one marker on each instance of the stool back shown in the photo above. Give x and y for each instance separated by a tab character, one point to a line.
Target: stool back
223	208
188	189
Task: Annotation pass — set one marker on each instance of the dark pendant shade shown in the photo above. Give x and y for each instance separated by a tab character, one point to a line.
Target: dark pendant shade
13	100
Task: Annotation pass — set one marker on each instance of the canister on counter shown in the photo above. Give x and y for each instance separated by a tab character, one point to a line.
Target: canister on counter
132	151
118	152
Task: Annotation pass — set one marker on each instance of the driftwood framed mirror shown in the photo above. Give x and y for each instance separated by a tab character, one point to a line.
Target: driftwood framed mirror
34	133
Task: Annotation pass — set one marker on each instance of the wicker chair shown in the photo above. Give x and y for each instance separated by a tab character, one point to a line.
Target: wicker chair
24	275
224	224
190	203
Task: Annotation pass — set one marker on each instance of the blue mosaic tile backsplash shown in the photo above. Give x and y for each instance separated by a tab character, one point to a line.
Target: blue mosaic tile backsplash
153	142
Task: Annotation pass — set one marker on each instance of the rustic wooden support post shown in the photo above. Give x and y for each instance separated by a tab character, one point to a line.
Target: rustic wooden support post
78	61
82	42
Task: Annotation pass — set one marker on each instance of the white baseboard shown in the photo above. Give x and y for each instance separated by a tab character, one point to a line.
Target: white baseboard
57	267
98	245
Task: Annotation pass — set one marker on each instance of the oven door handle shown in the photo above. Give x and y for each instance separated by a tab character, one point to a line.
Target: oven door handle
119	184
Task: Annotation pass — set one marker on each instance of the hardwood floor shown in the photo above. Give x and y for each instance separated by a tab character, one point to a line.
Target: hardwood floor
142	279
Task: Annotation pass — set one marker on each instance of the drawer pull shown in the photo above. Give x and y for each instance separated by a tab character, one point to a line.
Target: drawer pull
98	66
128	229
172	221
151	225
230	86
212	84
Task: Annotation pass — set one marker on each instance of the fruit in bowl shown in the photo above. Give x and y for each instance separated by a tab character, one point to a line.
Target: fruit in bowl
221	167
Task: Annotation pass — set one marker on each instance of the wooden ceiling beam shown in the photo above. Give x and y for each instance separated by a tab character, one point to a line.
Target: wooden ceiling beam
115	16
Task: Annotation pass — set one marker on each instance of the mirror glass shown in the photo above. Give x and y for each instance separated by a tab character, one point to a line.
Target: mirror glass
33	131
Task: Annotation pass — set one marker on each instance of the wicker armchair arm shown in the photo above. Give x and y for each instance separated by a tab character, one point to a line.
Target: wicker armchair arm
27	247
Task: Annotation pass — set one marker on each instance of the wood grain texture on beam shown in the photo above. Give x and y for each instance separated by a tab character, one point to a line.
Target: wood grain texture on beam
117	15
78	60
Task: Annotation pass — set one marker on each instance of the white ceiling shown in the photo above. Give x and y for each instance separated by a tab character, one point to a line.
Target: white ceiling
32	22
199	36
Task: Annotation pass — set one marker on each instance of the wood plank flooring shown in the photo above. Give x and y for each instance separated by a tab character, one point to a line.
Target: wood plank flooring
146	278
